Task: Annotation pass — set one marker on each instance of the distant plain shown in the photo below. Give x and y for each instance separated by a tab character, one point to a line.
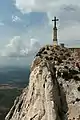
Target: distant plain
12	81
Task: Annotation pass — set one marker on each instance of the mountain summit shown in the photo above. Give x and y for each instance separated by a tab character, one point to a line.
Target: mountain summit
54	87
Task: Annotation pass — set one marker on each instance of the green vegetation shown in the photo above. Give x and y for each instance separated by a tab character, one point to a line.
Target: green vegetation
7	97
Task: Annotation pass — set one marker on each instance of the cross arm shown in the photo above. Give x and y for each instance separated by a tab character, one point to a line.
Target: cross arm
55	20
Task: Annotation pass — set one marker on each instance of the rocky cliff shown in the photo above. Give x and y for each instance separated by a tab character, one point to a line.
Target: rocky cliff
54	88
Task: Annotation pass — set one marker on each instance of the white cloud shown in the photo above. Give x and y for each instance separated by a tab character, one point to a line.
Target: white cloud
72	33
15	18
66	10
38	5
51	7
17	48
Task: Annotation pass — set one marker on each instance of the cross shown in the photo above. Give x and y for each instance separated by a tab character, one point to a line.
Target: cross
55	42
55	20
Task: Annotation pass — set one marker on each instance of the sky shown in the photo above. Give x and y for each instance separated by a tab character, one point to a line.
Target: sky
26	25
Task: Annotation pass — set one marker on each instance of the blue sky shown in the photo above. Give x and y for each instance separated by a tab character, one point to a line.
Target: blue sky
26	23
36	19
7	10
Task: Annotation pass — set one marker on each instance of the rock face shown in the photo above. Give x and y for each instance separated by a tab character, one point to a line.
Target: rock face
54	88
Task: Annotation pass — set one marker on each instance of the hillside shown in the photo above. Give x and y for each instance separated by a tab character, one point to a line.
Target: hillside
54	87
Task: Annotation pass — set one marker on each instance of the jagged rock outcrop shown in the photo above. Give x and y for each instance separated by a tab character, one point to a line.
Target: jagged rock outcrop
54	88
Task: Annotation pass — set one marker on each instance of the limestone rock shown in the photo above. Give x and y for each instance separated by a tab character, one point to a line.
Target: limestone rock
54	88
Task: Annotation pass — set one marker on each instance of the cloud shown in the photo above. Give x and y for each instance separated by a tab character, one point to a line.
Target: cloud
51	7
38	5
66	10
70	35
15	18
17	48
1	24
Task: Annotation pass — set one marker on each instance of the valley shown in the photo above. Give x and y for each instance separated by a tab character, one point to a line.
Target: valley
12	82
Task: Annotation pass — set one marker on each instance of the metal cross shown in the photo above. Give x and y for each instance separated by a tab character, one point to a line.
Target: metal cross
55	20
